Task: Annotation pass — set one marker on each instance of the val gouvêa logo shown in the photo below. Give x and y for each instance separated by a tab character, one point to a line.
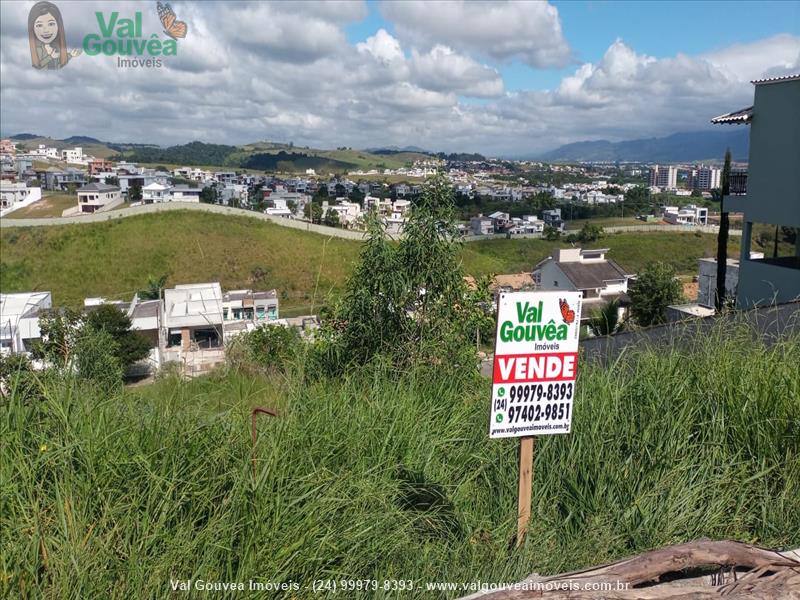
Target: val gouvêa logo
117	35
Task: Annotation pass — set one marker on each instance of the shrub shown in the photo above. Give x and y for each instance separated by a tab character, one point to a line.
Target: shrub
271	347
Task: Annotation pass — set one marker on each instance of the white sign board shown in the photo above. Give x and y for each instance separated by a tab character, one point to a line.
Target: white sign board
535	363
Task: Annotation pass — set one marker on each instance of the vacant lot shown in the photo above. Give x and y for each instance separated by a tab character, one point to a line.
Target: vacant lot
382	475
51	205
115	259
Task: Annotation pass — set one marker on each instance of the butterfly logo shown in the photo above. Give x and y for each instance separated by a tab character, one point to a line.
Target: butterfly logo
566	312
172	27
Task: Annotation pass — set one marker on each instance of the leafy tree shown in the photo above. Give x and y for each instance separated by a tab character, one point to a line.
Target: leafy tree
313	212
406	302
153	289
135	191
18	378
655	288
590	232
59	332
97	359
112	180
551	234
130	346
291	205
332	219
606	321
722	236
208	194
638	198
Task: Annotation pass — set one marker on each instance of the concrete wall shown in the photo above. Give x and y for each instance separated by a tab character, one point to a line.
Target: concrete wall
763	283
773	180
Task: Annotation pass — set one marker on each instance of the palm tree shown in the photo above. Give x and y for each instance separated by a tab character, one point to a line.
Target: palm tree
606	321
722	236
153	289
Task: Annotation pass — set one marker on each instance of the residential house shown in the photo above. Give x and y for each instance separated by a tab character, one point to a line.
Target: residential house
8	147
95	197
772	192
599	278
481	225
244	310
14	195
686	215
72	156
349	212
707	279
552	218
61	180
527	224
19	320
501	221
99	165
191	319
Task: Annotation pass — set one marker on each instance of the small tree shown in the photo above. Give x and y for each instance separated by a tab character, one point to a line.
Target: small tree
551	234
332	218
313	212
96	359
590	232
722	236
153	289
654	289
606	321
130	346
59	331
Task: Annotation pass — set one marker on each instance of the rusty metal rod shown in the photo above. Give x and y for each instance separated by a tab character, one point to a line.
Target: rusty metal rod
254	432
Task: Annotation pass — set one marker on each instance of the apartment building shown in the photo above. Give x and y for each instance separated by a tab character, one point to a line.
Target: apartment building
664	177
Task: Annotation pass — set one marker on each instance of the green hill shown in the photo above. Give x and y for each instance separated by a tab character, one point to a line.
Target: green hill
115	259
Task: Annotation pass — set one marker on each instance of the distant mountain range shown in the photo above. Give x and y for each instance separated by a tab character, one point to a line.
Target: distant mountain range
678	147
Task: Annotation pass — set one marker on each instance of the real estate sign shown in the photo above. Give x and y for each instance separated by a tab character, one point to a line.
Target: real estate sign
535	363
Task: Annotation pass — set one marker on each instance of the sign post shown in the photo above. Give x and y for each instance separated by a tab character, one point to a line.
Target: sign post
533	377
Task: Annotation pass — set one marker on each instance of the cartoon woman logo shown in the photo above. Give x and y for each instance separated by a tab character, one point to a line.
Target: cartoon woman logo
47	38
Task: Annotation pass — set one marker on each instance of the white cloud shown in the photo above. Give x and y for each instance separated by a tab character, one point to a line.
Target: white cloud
230	84
529	31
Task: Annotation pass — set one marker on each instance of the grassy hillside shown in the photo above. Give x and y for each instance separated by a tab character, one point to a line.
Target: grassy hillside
114	259
98	150
374	476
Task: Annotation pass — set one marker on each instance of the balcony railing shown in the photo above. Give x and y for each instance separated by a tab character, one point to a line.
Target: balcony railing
738	182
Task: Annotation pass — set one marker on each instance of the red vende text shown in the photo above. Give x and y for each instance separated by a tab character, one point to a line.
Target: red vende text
521	368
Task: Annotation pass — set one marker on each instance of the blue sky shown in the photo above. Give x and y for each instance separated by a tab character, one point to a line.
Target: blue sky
658	29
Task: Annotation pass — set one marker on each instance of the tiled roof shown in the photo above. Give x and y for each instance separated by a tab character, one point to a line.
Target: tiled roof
776	79
739	116
589	276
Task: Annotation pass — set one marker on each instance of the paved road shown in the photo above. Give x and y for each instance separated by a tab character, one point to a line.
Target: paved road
133	211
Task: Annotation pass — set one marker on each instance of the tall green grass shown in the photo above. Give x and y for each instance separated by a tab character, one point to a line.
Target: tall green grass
380	475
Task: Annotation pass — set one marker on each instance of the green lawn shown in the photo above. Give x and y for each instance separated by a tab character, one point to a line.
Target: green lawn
631	250
51	205
610	222
115	259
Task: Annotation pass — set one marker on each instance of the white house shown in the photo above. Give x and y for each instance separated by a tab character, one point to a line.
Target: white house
19	320
155	192
72	156
14	195
349	212
192	317
528	224
95	197
688	215
600	279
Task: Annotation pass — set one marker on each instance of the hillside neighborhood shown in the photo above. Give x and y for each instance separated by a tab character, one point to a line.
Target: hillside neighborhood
208	319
